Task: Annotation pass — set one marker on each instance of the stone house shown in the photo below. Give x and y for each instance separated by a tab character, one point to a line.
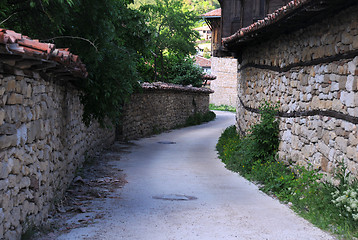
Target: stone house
225	89
213	20
204	63
204	32
303	54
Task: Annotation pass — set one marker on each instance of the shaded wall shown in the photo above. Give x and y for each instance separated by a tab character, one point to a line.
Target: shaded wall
158	109
42	142
313	73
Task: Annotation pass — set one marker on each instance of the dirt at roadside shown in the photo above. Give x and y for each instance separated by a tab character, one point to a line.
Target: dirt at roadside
96	181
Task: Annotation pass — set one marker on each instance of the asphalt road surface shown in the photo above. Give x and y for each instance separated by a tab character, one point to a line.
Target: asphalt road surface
178	189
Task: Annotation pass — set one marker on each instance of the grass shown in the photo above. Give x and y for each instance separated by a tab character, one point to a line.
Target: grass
222	108
332	207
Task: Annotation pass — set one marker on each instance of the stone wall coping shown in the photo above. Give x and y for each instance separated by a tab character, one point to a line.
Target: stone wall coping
24	53
174	87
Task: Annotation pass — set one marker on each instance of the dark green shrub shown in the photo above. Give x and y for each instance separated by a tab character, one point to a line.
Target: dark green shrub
264	135
199	118
333	207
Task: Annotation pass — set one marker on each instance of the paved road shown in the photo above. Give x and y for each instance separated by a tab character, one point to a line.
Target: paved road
208	202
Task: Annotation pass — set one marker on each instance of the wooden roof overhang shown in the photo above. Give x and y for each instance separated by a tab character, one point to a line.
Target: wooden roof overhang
295	15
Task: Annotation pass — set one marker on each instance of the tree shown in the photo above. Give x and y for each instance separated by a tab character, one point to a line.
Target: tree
119	36
173	37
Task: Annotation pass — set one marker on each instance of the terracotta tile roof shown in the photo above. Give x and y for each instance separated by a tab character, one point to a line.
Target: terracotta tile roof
269	19
202	62
174	87
212	13
36	53
296	14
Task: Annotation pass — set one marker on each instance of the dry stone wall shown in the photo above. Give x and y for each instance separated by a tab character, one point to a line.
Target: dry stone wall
225	84
313	74
161	107
42	142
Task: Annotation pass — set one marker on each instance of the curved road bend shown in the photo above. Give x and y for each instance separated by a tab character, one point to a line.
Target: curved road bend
183	191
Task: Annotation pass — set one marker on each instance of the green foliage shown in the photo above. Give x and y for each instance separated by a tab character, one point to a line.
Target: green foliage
186	72
202	6
199	118
264	136
333	207
119	37
222	108
172	42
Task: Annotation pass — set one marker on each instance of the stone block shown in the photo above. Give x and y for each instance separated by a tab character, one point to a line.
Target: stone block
15	99
4	184
337	105
342	82
334	86
342	144
351	152
16	169
353	139
11	85
348	126
25	182
10	235
323	148
346	38
352	67
6	200
7	141
2	117
348	98
351	84
355	43
324	164
33	130
2	91
2	215
39	89
21	134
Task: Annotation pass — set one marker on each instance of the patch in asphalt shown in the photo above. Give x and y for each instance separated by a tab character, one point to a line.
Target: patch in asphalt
174	197
166	142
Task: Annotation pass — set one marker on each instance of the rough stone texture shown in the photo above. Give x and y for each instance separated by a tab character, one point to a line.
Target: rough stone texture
268	72
42	142
225	84
153	111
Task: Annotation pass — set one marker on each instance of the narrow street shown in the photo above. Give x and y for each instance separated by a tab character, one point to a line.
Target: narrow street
178	189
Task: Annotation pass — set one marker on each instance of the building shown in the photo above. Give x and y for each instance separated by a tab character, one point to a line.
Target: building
225	69
204	32
204	63
213	20
304	55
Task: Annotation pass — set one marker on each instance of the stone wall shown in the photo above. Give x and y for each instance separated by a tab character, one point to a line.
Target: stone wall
225	84
42	142
313	73
161	107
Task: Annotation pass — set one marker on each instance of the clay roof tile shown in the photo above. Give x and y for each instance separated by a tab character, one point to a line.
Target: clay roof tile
18	44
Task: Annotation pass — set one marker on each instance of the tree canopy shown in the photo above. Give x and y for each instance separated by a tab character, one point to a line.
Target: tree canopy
118	35
120	45
172	41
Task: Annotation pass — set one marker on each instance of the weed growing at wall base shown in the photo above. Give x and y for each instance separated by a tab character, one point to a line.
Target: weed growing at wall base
332	207
199	118
222	108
